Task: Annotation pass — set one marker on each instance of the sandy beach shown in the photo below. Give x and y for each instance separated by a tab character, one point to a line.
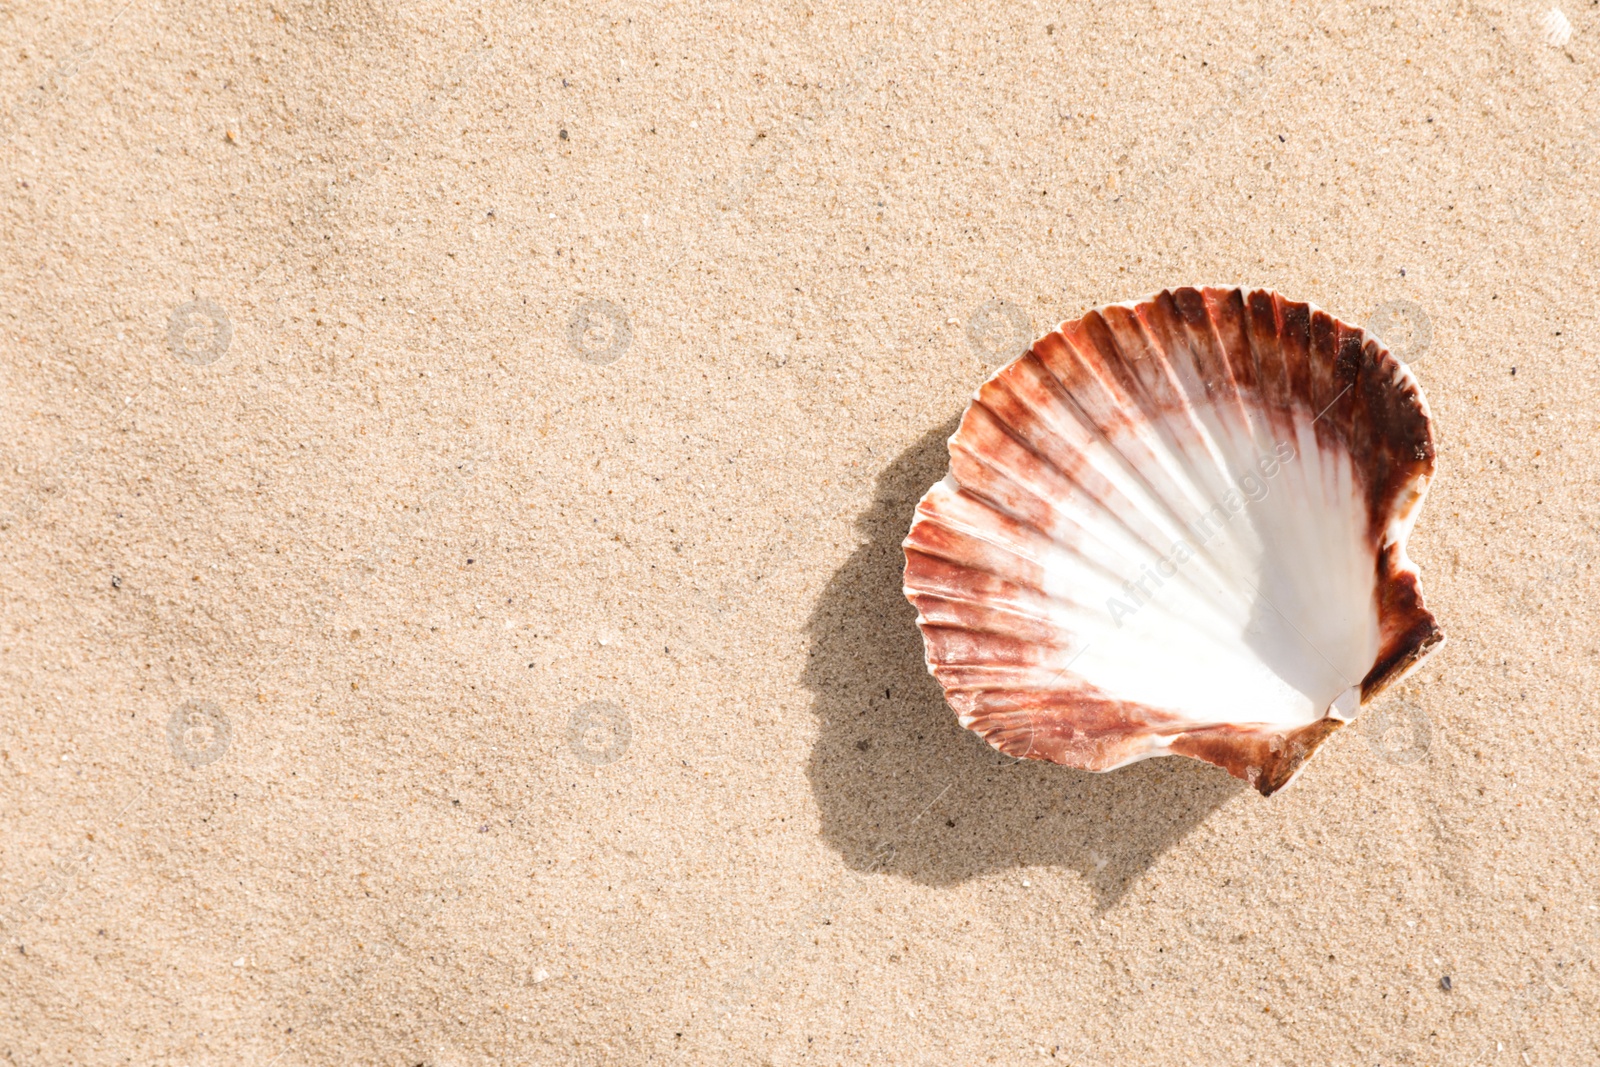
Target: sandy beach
455	465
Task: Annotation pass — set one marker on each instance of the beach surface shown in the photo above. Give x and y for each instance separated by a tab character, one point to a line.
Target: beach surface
455	461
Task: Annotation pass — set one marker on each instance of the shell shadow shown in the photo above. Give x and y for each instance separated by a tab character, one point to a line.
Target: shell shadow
903	789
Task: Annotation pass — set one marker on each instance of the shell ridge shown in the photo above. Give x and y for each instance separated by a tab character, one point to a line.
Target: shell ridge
1299	479
1225	481
992	679
961	646
935	571
1230	398
1214	359
1229	322
1293	318
971	533
1021	441
1400	445
1250	407
924	548
1001	607
1390	378
1263	328
1244	407
1211	636
1180	356
1363	437
993	465
1109	733
1135	390
1322	392
1124	476
963	527
938	576
1100	569
1162	722
1310	471
1181	367
1219	450
992	500
1161	457
1164	456
1377	379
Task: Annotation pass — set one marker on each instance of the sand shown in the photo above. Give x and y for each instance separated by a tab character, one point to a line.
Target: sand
455	460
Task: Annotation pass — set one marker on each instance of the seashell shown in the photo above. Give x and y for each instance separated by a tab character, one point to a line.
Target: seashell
1178	526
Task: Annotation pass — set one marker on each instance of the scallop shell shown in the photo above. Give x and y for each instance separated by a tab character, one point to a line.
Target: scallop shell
1178	527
